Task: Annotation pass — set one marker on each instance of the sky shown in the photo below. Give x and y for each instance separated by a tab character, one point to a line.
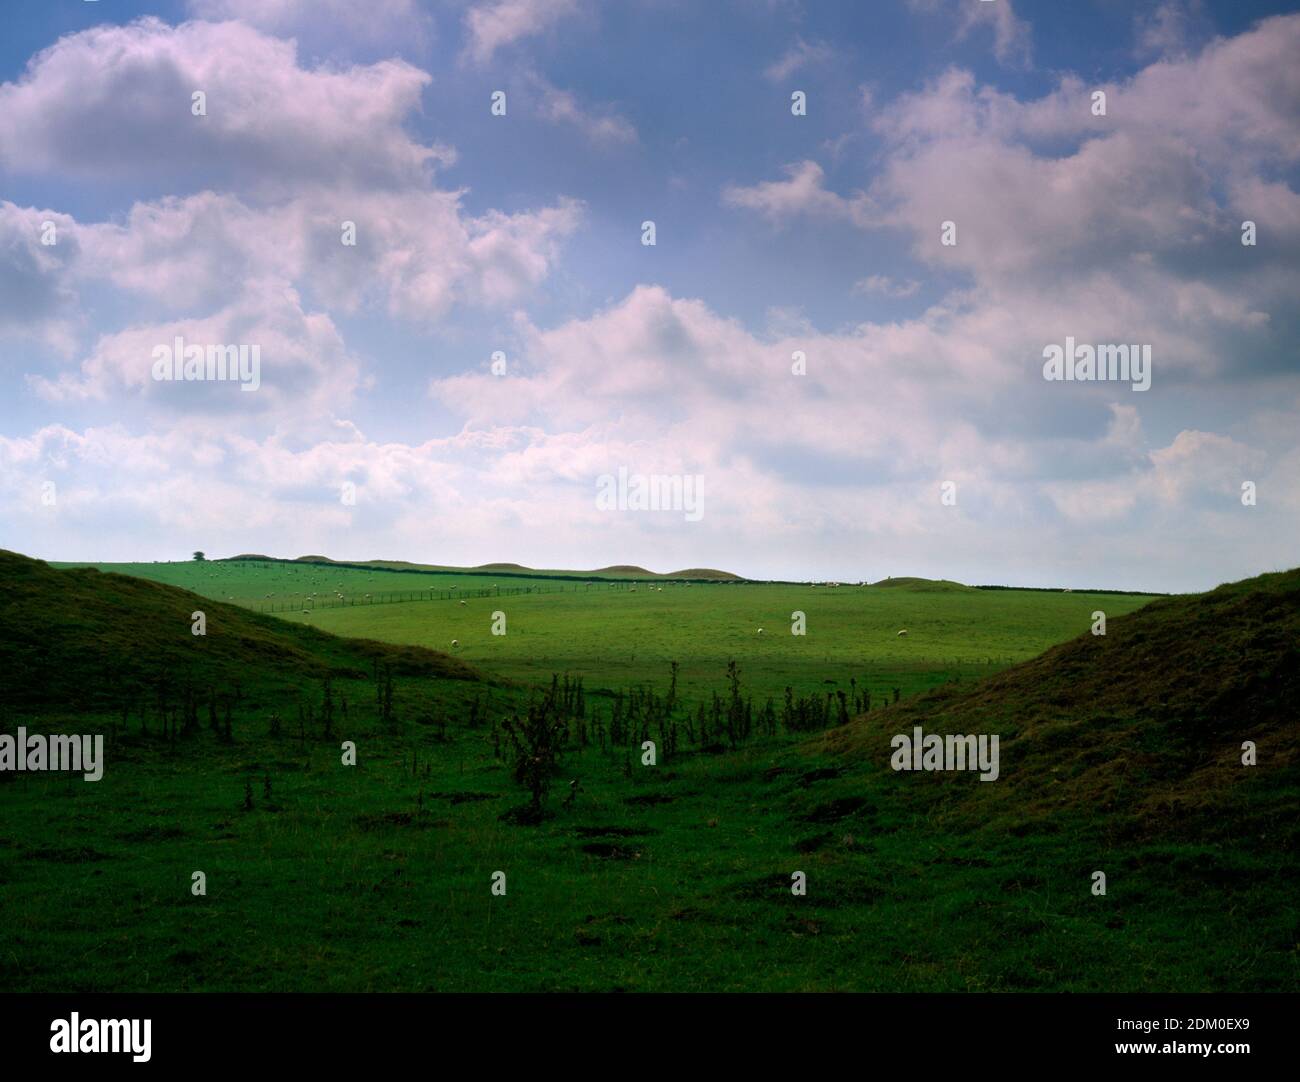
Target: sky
872	222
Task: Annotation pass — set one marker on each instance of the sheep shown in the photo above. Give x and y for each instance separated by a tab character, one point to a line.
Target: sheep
760	631
903	634
464	602
455	642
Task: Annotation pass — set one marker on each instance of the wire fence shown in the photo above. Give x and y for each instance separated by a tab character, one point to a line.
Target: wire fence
306	603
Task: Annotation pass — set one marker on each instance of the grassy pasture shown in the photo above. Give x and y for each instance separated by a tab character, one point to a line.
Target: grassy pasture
614	639
377	877
678	878
614	636
257	585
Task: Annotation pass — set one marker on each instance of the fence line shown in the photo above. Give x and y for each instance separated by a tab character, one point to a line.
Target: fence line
395	597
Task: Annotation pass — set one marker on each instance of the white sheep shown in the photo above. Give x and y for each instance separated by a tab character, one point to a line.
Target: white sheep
760	631
464	602
455	642
903	634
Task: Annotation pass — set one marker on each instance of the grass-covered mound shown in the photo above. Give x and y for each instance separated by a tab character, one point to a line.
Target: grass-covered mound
84	639
1140	729
908	582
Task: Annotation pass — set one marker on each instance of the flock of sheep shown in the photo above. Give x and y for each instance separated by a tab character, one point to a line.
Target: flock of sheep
632	589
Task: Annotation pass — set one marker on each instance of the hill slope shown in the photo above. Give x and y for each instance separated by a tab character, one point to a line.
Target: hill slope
618	572
85	639
911	583
1142	727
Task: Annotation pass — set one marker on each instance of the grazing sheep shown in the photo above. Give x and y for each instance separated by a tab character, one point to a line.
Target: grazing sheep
760	631
903	634
455	642
464	602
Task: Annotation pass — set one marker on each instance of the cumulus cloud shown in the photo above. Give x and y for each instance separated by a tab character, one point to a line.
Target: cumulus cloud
803	193
657	383
495	24
1172	28
306	370
116	102
37	297
800	55
1116	229
1132	233
1011	36
601	125
417	255
299	153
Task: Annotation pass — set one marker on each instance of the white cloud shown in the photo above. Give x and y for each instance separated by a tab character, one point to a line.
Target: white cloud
1172	28
37	297
115	102
306	370
1131	234
603	125
495	24
1012	37
660	384
800	55
804	193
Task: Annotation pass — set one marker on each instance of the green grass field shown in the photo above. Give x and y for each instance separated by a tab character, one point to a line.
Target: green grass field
286	584
675	876
615	636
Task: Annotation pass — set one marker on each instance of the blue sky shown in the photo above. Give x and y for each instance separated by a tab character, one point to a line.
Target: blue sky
775	233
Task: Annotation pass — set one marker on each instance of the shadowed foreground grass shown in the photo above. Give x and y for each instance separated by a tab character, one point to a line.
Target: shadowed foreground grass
676	878
1119	755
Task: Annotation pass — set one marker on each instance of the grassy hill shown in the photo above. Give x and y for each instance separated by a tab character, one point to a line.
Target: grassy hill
616	635
616	572
928	585
84	639
1142	726
1120	755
